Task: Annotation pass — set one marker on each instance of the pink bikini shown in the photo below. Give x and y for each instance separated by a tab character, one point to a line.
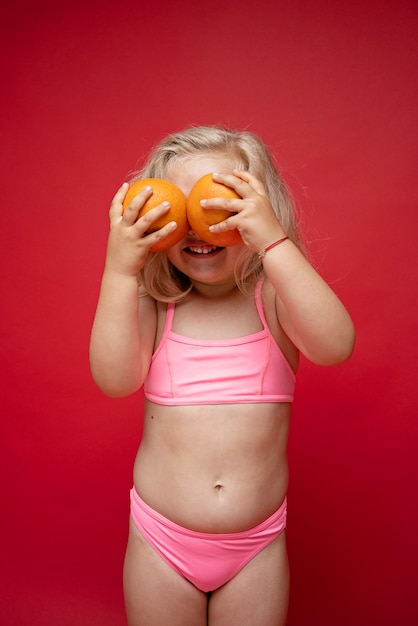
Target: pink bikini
187	371
208	560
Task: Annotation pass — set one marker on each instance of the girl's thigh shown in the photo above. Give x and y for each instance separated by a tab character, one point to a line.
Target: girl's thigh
155	594
258	594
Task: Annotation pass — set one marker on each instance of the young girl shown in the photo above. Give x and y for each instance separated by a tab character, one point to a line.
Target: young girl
214	336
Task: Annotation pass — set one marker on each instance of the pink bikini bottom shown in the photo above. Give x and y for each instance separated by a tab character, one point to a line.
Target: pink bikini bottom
208	560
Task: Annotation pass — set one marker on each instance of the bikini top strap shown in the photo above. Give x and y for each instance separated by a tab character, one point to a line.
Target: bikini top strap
169	317
259	301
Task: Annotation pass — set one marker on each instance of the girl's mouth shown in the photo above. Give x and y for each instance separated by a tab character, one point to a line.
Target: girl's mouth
201	249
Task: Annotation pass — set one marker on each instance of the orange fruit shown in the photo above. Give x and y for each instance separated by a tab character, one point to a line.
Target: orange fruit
200	219
162	191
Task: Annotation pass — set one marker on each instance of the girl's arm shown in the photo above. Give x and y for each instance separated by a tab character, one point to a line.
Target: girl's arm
124	326
121	345
308	310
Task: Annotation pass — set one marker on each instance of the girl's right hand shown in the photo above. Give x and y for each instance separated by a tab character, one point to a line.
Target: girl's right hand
128	244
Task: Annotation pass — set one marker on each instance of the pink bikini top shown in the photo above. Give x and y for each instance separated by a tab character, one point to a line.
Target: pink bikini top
248	369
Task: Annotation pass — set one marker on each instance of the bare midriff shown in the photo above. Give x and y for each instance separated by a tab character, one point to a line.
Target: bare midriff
214	468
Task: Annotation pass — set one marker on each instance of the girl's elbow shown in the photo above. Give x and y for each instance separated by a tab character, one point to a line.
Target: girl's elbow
338	357
114	388
331	349
340	350
349	342
113	391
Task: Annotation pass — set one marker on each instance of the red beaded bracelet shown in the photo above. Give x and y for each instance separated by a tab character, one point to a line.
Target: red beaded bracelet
262	253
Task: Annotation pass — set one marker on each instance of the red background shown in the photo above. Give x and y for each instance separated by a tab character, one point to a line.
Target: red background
88	88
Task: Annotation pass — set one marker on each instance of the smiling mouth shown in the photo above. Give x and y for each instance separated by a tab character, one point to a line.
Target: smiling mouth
202	249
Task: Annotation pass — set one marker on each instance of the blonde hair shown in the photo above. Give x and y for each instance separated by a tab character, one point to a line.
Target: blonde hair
247	151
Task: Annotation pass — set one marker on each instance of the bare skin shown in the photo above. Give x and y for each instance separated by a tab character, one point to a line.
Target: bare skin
218	468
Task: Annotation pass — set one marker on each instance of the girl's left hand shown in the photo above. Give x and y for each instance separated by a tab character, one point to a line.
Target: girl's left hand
253	216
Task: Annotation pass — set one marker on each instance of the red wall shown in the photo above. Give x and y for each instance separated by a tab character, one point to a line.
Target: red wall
86	90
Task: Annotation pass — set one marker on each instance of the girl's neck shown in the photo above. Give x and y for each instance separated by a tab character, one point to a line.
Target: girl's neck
221	290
